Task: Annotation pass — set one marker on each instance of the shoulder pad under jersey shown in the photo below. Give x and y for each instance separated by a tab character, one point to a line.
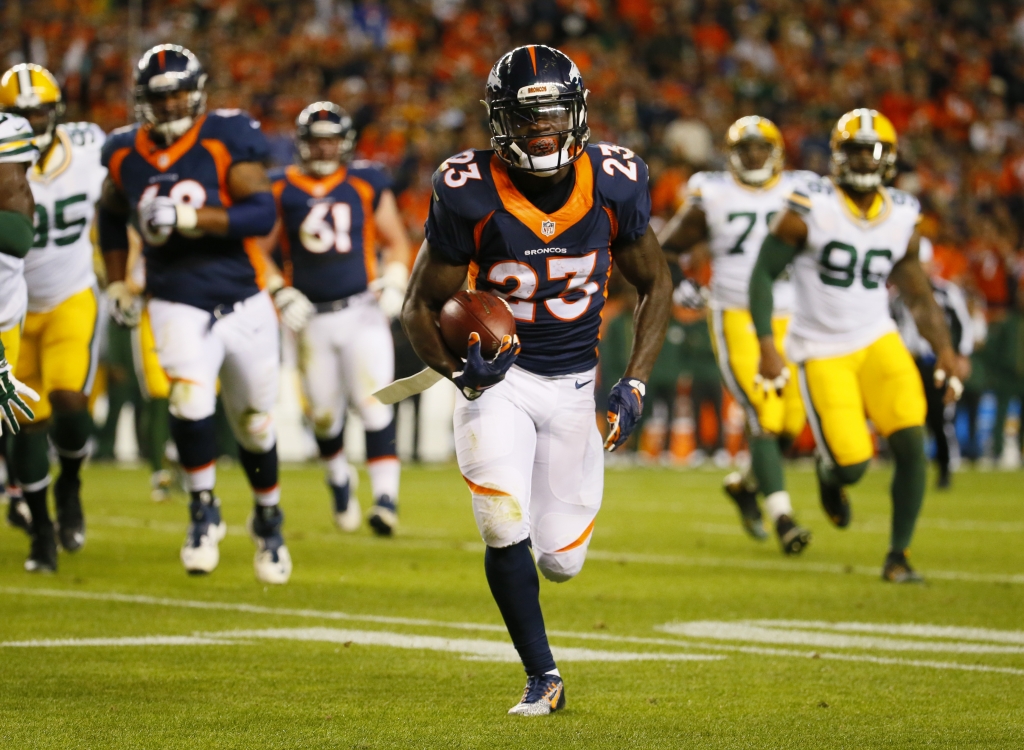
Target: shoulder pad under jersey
239	133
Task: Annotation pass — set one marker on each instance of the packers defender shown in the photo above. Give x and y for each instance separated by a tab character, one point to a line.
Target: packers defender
59	347
847	236
731	211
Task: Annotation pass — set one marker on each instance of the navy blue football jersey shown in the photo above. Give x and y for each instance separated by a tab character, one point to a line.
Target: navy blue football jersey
328	242
203	270
552	268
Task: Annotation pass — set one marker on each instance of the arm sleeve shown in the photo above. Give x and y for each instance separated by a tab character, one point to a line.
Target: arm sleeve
775	255
16	234
448	233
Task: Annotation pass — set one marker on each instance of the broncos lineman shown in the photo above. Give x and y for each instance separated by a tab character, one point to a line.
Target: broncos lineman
194	184
731	211
538	220
59	342
331	213
846	237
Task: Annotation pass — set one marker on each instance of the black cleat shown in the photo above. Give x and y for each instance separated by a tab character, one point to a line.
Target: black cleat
383	516
18	514
944	481
897	569
746	501
835	502
792	538
67	496
42	555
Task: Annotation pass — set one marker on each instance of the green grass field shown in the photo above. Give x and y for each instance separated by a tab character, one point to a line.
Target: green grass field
680	632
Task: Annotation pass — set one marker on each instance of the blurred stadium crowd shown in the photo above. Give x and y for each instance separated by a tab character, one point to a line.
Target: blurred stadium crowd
666	77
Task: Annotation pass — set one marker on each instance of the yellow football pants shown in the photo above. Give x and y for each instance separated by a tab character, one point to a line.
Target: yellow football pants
11	339
879	381
739	353
152	379
59	349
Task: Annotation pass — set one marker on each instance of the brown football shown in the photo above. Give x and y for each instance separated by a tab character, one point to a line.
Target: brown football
468	311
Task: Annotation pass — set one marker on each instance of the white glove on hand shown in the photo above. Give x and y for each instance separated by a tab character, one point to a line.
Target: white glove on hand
126	306
11	392
294	306
160	216
390	289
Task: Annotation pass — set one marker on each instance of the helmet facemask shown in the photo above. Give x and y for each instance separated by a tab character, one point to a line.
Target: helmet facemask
874	160
327	146
542	132
182	115
745	153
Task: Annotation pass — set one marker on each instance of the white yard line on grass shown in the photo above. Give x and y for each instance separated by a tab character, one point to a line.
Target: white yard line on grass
145	640
638	640
793	566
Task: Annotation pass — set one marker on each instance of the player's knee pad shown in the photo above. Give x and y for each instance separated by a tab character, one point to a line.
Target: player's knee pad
327	423
499	517
191	401
375	415
255	431
559	567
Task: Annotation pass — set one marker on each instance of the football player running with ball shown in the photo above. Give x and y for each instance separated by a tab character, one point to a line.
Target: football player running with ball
59	341
538	220
331	213
731	212
846	237
194	184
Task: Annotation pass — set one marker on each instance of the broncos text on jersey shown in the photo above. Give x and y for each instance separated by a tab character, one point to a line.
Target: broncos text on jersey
328	238
202	271
552	268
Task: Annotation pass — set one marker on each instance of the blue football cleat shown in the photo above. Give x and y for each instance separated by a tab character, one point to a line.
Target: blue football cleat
273	562
544	694
384	516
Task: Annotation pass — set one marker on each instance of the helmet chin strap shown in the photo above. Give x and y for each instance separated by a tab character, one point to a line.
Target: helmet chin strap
322	167
174	129
543	166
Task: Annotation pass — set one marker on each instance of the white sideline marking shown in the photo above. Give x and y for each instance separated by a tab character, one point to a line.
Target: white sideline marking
146	640
788	636
334	615
475	648
922	631
608	556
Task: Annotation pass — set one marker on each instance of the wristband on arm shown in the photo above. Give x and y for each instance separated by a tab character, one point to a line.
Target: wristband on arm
16	234
252	217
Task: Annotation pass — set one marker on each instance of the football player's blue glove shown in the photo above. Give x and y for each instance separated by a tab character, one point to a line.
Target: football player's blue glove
478	375
625	405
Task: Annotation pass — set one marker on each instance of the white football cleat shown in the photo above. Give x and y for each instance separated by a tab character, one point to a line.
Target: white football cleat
200	553
273	562
351	518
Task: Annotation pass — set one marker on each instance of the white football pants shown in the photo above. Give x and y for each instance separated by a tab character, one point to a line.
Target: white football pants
531	453
241	348
344	357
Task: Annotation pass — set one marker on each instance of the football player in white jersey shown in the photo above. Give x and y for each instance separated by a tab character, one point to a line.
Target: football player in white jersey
847	236
59	342
731	211
17	208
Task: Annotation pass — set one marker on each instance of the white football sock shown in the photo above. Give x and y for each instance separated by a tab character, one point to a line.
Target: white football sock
337	469
778	504
384	474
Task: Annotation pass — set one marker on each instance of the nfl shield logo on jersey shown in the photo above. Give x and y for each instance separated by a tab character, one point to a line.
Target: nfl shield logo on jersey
547	227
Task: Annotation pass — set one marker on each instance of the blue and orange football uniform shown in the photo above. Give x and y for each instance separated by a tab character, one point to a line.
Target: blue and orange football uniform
204	271
328	239
552	268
